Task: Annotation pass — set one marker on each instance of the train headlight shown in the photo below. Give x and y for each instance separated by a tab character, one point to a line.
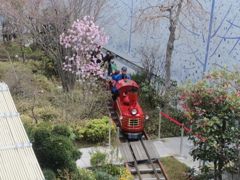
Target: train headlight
146	117
120	117
134	111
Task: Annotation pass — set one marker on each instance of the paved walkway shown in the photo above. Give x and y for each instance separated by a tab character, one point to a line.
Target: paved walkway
171	147
84	162
167	147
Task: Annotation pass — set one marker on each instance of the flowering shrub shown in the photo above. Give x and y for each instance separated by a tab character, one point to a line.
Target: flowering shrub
80	41
125	175
214	106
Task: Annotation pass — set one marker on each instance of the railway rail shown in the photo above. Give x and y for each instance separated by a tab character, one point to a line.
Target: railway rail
141	157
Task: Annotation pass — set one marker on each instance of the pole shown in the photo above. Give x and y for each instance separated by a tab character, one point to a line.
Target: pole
181	139
159	124
109	131
181	143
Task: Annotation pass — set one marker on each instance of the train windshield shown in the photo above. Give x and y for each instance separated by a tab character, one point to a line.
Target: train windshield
132	90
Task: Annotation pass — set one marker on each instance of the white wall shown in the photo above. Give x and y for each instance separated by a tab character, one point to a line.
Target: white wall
214	41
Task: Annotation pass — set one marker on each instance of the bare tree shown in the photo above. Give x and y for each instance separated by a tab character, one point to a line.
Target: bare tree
153	65
45	20
174	11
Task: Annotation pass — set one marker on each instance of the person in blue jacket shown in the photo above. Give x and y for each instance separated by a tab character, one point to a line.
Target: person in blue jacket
117	78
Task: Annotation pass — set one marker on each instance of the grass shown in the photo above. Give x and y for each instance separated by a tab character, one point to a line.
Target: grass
175	169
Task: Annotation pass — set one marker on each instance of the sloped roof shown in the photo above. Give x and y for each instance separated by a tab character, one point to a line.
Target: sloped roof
17	159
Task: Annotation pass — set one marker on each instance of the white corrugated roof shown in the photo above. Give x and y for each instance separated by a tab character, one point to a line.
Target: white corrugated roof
17	159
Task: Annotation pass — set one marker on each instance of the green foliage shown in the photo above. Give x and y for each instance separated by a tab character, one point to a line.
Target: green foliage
44	83
86	174
65	131
96	130
67	174
150	95
41	134
49	174
213	105
138	77
54	151
111	169
47	113
103	176
174	168
98	158
12	48
35	46
29	130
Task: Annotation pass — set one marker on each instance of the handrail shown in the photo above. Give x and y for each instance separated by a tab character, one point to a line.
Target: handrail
180	124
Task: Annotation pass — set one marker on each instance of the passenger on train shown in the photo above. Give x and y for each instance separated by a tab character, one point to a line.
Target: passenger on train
117	78
112	66
107	57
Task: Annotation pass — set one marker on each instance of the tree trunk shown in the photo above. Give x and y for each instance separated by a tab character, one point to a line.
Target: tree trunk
23	53
169	61
34	99
170	46
68	78
215	170
221	158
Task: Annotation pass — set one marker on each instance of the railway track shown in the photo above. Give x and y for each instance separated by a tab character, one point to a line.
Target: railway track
139	157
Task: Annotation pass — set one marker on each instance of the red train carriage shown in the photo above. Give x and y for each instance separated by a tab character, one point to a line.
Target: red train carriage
129	111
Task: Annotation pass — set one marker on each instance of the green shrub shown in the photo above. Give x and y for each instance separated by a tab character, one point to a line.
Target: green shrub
44	83
103	176
49	174
138	77
57	152
29	130
86	174
54	151
65	131
98	158
96	130
111	169
41	134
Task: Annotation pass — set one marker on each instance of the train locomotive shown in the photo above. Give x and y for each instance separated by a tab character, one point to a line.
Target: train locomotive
130	114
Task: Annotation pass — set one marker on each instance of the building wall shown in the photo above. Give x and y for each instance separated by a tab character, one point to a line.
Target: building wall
214	41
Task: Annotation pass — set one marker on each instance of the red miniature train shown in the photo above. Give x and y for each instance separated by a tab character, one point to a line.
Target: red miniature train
130	114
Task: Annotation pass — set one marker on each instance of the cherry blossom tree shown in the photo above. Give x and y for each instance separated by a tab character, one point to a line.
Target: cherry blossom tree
45	20
80	41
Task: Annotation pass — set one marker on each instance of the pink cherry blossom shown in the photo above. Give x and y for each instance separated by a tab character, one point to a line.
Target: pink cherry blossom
83	38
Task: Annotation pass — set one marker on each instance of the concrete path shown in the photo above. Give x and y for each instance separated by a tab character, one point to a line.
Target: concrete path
167	147
171	147
84	162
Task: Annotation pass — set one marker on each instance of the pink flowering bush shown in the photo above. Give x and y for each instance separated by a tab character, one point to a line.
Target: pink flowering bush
213	104
80	41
